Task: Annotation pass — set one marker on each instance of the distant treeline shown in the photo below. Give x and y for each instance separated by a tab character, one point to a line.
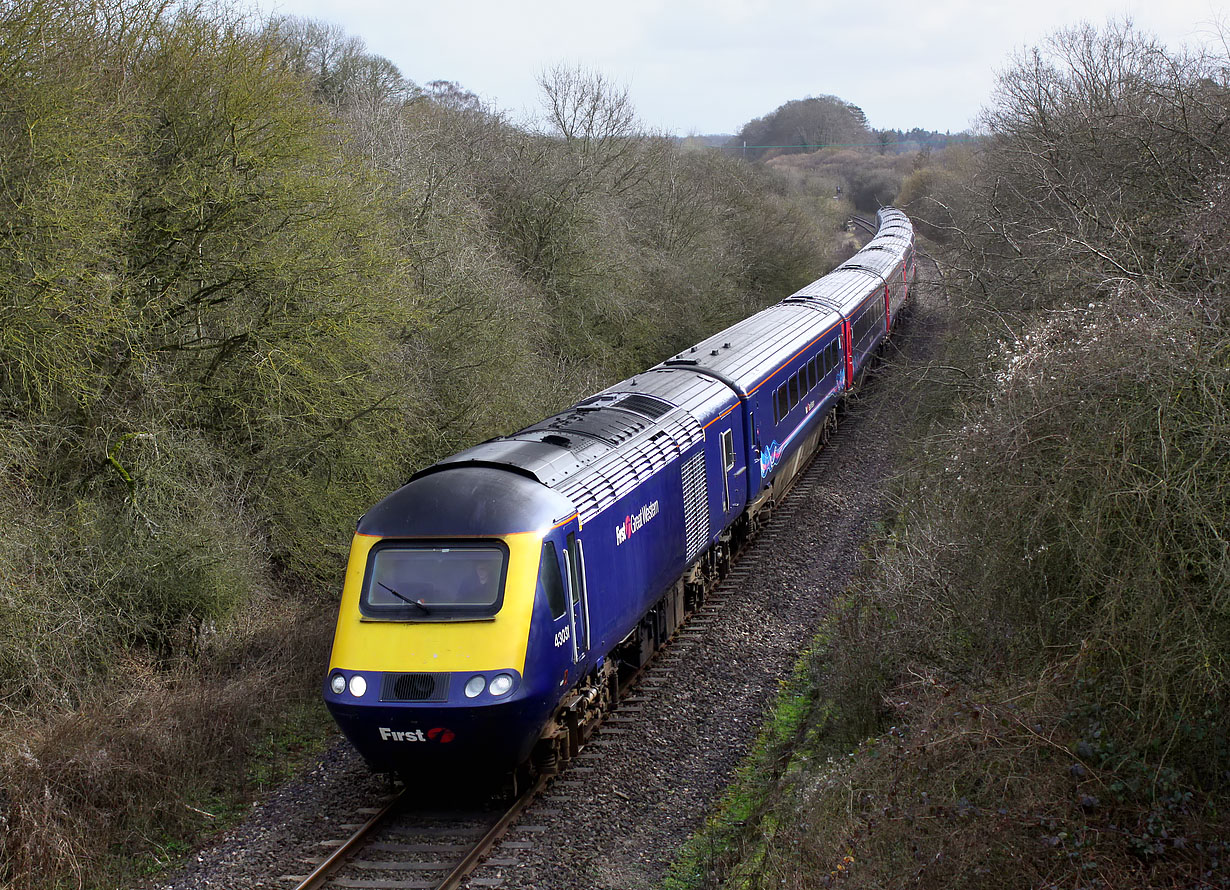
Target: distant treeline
806	125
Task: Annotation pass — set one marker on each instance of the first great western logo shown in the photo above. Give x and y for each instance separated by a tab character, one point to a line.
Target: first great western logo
634	522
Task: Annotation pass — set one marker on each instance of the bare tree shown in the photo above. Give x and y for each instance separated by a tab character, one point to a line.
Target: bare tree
1103	145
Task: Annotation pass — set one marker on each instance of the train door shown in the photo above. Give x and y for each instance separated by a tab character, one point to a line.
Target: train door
734	491
578	600
848	336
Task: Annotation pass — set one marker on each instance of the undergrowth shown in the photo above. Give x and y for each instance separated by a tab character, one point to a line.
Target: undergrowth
128	781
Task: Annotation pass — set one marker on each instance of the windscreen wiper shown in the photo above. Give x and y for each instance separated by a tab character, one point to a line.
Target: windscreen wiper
404	598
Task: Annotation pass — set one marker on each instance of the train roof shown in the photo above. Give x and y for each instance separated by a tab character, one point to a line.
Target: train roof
842	290
878	259
595	452
749	352
463	502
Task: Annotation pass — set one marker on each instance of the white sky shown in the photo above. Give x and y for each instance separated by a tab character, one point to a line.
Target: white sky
709	66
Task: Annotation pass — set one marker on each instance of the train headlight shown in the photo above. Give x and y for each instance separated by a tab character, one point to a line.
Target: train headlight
475	685
500	684
338	684
358	686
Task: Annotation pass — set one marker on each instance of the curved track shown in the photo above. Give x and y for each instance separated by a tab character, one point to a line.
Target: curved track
402	847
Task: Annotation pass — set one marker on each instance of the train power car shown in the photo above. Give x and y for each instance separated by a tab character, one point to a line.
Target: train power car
491	603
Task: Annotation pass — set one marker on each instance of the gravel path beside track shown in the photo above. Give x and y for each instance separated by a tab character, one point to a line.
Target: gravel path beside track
650	777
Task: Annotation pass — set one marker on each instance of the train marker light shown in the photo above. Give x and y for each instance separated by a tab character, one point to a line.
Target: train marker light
338	684
500	684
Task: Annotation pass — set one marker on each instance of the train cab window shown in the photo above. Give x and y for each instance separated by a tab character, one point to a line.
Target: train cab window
794	390
551	581
408	581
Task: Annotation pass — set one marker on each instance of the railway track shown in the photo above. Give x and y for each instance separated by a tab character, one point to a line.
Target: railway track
405	847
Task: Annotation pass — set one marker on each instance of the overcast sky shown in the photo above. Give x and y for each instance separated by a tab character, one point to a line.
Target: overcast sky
709	66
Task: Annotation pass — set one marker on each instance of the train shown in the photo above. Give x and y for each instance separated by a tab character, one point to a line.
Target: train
494	604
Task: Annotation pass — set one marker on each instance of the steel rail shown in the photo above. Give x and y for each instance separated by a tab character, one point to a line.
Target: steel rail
488	840
865	224
338	857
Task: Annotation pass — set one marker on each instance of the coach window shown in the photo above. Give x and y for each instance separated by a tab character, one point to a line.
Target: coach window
794	390
811	374
783	402
551	581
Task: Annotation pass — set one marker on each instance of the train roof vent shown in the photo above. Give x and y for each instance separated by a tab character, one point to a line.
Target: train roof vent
582	425
593	403
608	478
647	405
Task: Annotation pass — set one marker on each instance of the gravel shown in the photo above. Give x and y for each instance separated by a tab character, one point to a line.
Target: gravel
645	787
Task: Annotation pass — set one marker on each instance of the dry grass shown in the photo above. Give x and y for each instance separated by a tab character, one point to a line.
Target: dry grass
157	755
986	789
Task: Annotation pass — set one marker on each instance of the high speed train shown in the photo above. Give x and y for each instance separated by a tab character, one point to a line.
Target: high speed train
493	604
